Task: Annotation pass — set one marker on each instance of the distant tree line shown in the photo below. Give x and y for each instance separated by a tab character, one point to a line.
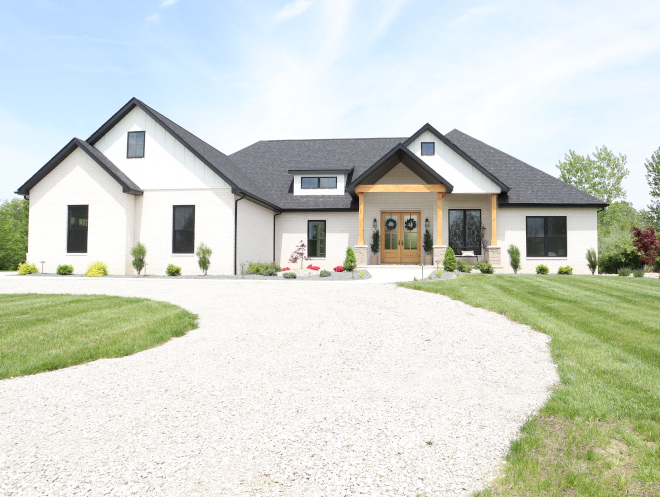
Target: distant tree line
13	232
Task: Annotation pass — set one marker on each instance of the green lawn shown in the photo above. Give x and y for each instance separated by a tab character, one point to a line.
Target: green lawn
45	332
599	434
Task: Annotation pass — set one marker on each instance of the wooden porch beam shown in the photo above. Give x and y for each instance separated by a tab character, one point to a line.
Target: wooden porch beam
361	226
399	188
493	220
438	234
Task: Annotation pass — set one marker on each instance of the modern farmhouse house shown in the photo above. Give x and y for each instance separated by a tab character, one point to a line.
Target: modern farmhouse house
141	177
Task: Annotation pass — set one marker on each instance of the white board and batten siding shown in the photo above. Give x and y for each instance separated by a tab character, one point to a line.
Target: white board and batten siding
166	164
460	173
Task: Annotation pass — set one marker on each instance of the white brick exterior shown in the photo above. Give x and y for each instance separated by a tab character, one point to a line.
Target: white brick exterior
255	234
341	232
581	232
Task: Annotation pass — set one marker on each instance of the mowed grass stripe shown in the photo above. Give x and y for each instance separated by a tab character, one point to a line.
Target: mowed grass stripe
45	332
599	434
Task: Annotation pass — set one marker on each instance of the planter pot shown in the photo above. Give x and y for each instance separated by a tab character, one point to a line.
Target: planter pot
373	260
428	259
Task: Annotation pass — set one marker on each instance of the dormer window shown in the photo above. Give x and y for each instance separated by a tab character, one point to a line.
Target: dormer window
135	145
428	148
318	183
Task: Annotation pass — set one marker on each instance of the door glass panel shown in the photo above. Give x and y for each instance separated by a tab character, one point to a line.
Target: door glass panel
473	231
410	227
391	232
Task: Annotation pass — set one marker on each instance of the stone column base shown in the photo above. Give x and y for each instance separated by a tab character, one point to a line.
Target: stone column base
361	252
495	256
439	254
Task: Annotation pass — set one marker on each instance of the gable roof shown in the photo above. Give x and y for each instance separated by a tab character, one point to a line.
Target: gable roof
529	186
215	160
128	186
400	153
459	151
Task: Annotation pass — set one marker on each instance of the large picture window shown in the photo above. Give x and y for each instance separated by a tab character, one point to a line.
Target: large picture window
76	241
135	147
316	238
465	230
546	236
183	234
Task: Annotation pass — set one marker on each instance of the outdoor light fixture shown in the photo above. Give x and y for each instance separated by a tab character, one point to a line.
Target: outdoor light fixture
426	223
375	224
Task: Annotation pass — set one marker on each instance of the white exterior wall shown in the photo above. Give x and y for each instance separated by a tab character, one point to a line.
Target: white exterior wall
255	234
460	173
581	233
166	162
214	225
341	184
341	233
78	180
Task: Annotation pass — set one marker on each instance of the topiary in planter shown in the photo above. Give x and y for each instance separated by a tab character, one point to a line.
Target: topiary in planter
450	263
64	269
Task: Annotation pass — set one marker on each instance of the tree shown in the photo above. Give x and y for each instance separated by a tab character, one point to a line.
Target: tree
299	254
139	253
600	175
428	242
592	260
350	262
450	263
614	225
653	178
204	257
514	258
646	244
13	232
375	241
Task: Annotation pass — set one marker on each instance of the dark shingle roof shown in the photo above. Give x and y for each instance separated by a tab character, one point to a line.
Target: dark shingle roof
128	186
269	162
527	184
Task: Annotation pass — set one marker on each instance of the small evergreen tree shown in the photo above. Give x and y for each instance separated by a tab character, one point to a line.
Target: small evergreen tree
204	257
592	260
514	258
350	262
428	242
450	263
139	253
375	242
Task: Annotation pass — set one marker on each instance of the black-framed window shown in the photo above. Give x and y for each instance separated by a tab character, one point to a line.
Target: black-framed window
465	230
316	183
316	238
135	145
546	236
77	220
183	232
428	148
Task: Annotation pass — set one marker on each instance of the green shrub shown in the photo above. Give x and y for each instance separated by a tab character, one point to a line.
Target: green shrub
464	267
656	265
565	270
173	270
262	267
269	272
64	269
450	263
542	269
638	273
625	271
324	273
611	262
27	268
139	254
514	258
204	257
96	269
485	267
428	242
375	241
592	260
362	274
350	262
289	275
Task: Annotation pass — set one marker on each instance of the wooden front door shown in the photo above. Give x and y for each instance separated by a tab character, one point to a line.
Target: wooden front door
400	242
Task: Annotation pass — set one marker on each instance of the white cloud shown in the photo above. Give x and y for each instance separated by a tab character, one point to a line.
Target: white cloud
168	2
153	18
484	10
291	10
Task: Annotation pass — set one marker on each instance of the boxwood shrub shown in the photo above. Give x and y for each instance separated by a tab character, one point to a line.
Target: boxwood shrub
542	269
97	268
464	267
485	267
565	270
64	269
27	268
173	270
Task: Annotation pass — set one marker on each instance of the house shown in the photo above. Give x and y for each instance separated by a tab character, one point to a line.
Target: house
142	177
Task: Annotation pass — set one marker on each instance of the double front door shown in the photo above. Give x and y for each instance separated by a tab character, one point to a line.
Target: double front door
400	242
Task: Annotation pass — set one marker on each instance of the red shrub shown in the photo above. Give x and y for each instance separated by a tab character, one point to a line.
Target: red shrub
313	267
285	268
339	269
646	244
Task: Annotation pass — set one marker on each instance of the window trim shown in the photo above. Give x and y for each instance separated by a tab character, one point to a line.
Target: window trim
68	229
464	227
144	144
318	183
325	225
422	149
175	230
546	238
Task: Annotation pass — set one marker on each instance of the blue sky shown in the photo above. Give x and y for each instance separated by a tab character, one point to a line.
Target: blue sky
533	78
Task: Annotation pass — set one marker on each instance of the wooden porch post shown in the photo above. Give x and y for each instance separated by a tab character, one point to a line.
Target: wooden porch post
361	226
493	220
438	235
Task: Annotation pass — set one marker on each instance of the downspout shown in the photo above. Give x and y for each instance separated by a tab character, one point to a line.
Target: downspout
274	234
236	232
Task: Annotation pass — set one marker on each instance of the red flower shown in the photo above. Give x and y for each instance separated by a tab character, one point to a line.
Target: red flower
285	269
339	269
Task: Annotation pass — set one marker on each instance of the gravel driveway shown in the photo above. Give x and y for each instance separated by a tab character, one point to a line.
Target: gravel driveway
308	389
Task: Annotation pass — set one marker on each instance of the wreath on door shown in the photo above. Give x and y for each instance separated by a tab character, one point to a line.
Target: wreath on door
390	224
410	224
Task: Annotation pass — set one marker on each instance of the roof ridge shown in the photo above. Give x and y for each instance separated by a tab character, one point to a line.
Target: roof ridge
331	139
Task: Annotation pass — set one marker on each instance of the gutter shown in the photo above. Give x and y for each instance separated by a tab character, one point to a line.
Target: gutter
236	231
276	214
